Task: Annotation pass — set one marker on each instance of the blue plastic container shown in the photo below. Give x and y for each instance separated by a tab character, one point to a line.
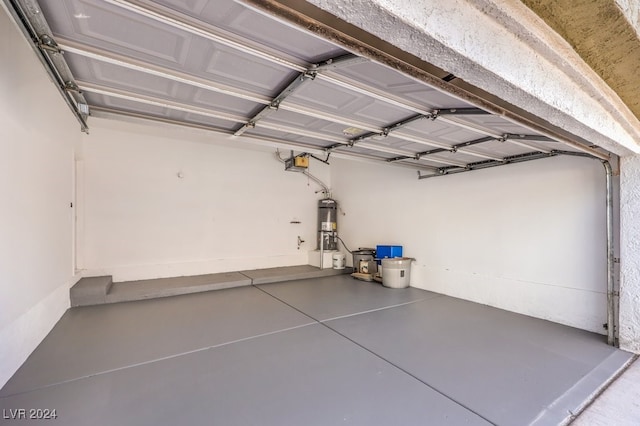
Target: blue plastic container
383	252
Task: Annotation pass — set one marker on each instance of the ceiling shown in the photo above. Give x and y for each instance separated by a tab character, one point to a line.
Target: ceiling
224	66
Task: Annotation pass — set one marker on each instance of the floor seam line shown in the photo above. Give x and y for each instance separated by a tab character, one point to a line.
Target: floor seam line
382	358
377	309
409	374
247	276
173	356
289	305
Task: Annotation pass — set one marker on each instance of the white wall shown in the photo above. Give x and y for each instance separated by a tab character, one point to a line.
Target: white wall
230	211
38	135
529	237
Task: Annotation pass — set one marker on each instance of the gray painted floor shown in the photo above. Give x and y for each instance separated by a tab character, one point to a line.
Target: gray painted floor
333	297
320	351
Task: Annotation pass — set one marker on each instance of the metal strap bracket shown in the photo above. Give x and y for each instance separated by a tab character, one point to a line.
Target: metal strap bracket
309	74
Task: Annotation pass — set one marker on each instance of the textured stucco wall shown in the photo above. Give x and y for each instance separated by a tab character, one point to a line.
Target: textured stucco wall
630	254
601	32
631	11
507	50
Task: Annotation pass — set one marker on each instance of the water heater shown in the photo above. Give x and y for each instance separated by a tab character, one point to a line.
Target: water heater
327	224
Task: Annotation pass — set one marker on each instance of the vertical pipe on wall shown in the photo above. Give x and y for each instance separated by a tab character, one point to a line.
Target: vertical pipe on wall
321	249
611	323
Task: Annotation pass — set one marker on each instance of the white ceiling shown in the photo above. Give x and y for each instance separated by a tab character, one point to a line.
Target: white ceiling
224	66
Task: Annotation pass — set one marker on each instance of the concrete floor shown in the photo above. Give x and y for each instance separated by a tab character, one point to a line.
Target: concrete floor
320	351
618	405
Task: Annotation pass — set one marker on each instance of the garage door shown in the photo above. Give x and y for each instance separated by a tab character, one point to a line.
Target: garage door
230	68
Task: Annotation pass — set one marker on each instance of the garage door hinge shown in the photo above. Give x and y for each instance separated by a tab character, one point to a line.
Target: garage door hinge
616	260
49	44
71	86
309	74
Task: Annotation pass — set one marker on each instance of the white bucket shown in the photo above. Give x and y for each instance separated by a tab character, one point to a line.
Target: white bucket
396	272
339	260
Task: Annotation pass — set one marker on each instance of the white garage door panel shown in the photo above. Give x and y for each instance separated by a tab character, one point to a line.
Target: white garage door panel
128	107
397	84
219	63
240	20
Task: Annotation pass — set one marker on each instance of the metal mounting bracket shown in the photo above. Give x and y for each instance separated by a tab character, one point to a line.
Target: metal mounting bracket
47	43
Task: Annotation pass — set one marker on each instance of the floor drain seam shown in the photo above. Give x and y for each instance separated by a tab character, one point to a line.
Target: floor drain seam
168	357
409	374
381	357
246	276
289	305
378	309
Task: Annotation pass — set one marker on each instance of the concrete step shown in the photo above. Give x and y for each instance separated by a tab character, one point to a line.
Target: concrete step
90	291
101	290
289	273
164	287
